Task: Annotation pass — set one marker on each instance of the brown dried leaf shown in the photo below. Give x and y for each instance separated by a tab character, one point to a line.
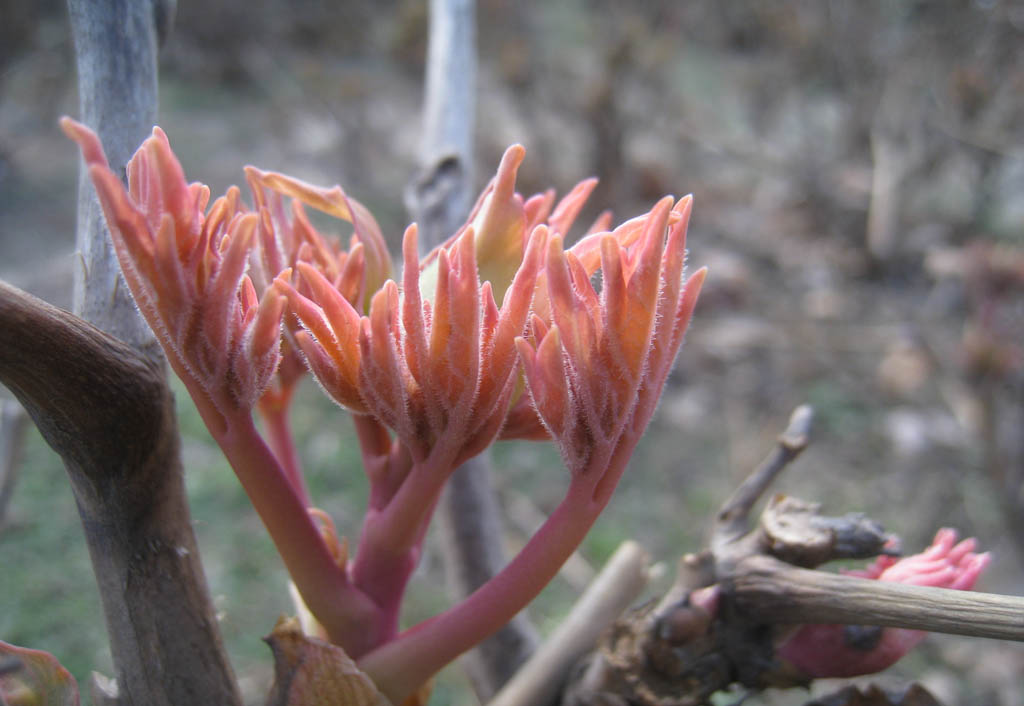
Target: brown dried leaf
796	532
311	672
34	678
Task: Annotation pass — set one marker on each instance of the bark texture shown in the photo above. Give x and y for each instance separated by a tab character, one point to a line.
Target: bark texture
109	413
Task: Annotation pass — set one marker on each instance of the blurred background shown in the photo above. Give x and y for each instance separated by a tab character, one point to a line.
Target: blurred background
858	172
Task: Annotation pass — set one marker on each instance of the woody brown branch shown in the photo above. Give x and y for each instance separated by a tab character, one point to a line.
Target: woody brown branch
109	413
730	523
770	591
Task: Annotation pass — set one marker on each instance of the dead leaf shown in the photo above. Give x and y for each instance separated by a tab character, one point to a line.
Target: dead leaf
34	678
311	672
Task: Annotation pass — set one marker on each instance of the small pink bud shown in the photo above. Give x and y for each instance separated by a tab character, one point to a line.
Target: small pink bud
819	651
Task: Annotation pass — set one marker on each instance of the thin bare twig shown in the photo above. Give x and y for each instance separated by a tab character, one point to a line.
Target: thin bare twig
731	522
473	550
618	584
99	395
115	51
439	199
449	112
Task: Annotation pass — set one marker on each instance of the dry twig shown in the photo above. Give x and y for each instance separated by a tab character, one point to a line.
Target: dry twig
615	588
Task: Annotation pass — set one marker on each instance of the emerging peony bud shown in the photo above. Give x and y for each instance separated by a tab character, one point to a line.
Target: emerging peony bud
596	362
819	651
185	267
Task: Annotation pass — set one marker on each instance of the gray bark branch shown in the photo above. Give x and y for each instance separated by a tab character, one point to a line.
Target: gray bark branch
99	396
13	425
115	51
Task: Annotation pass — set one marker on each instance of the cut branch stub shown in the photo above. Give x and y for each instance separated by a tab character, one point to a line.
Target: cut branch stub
731	522
794	531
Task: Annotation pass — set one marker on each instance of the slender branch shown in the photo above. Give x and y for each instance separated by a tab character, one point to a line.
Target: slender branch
348	616
449	114
731	521
776	592
612	591
282	443
392	535
472	547
107	410
115	49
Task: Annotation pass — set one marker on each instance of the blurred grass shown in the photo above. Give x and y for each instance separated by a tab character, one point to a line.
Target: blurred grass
48	598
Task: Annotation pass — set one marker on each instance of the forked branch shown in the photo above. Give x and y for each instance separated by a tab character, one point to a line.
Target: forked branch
107	410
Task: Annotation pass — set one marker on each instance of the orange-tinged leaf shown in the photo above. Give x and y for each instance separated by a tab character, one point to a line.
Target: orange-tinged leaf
36	679
588	248
266	330
342	317
538	208
351	280
415	342
500	226
545	375
601	224
336	202
172	287
311	672
222	290
172	189
563	302
127	224
88	141
569	207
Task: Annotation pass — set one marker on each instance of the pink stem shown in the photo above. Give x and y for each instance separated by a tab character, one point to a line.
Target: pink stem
282	443
402	665
385	463
391	540
346	614
343	611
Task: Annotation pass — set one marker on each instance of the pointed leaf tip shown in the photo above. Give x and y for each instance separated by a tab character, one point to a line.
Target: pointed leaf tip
87	140
505	179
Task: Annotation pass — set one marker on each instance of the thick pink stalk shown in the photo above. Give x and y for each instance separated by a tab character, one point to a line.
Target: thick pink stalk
399	667
391	541
282	443
343	611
